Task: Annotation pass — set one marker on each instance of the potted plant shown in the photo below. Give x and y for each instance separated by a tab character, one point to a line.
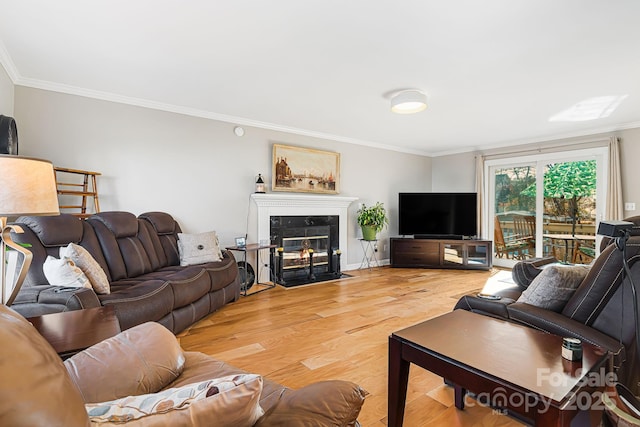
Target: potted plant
372	220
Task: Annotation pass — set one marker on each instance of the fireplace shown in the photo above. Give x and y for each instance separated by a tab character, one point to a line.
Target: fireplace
308	248
316	207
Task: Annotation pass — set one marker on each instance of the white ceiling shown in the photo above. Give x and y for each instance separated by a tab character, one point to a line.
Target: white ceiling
494	71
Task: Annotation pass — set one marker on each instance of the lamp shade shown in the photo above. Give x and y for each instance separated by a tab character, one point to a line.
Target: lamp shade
409	102
27	187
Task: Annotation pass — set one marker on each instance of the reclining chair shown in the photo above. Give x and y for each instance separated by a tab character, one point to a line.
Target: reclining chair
600	311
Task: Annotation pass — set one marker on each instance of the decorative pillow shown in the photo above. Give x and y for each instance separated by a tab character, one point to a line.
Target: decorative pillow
88	265
554	286
228	401
64	272
198	248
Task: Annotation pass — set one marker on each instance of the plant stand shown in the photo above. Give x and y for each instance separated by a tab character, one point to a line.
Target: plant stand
369	248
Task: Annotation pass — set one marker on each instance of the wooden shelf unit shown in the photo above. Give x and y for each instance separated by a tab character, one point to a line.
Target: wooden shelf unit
436	253
86	188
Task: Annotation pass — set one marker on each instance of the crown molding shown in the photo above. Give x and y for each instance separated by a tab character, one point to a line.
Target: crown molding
18	80
243	121
542	139
7	63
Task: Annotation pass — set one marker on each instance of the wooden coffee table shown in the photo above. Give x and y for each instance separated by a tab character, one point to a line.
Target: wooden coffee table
70	332
506	365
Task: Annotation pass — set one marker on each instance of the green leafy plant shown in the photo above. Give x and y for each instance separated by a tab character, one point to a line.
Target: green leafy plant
374	216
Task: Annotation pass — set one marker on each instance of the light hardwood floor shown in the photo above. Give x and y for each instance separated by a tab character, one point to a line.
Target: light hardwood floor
340	330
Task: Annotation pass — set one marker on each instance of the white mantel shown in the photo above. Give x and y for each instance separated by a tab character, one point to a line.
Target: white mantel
275	204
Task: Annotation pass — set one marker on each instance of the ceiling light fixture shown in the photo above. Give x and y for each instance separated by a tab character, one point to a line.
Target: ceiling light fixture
409	102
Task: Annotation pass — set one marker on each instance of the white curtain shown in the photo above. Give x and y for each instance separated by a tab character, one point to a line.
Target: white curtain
614	206
480	191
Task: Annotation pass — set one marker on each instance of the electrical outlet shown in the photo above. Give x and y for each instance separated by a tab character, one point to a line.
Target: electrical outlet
384	247
629	206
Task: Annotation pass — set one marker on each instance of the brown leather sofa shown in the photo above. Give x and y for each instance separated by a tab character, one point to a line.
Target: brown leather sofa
140	258
600	311
38	389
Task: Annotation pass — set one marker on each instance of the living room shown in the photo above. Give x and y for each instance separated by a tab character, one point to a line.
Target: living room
156	156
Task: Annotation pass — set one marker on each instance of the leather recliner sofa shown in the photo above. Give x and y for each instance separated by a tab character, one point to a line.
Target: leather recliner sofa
141	260
37	390
600	311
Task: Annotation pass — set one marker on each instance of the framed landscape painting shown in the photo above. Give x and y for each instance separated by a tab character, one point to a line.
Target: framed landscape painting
305	170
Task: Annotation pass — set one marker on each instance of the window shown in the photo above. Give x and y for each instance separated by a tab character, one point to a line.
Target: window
545	204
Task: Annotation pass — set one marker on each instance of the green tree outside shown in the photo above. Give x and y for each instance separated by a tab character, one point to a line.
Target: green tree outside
569	188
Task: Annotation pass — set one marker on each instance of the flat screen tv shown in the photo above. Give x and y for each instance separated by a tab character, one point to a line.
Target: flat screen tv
437	215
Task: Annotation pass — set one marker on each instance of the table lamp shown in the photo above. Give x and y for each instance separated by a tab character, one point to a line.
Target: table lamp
27	187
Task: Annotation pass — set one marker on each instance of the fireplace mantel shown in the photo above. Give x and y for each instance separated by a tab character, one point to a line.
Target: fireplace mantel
272	204
268	200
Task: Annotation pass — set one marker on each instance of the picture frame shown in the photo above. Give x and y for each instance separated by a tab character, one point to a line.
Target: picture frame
305	170
241	242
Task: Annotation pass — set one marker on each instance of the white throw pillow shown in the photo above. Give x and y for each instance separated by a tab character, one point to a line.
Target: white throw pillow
64	272
88	265
233	400
198	248
554	286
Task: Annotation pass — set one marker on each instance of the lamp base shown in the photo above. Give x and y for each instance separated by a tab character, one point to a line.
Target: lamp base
10	290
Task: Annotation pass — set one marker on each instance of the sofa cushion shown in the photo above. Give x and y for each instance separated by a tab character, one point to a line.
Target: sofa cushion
198	248
54	230
166	230
64	272
121	224
138	301
123	250
148	357
554	286
89	266
162	222
35	389
226	401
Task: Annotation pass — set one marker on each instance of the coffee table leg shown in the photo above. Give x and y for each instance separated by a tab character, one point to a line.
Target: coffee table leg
459	396
398	378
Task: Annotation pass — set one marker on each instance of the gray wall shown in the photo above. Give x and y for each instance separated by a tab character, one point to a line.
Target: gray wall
201	173
194	168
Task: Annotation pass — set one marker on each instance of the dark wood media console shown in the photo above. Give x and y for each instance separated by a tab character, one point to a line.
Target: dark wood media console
438	253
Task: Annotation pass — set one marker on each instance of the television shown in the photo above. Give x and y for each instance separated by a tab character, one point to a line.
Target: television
438	215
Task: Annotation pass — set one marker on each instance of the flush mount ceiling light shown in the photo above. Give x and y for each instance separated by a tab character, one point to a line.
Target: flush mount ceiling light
408	102
589	109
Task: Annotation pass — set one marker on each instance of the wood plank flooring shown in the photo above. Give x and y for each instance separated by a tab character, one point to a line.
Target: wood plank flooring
340	330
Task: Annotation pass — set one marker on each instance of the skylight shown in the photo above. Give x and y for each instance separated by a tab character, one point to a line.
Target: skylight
590	109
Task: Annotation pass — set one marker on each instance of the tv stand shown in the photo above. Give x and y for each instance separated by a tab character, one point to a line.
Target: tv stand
468	254
439	236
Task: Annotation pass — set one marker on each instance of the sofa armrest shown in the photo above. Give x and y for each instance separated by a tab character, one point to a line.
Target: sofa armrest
492	308
525	271
558	324
72	298
43	299
140	360
330	403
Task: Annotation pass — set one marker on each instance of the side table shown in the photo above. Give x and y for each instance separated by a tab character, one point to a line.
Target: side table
70	332
257	248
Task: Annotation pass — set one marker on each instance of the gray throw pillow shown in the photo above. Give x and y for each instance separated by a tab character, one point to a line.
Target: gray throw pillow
198	248
554	286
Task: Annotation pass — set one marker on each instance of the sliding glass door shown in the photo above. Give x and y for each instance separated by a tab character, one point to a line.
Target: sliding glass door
546	204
